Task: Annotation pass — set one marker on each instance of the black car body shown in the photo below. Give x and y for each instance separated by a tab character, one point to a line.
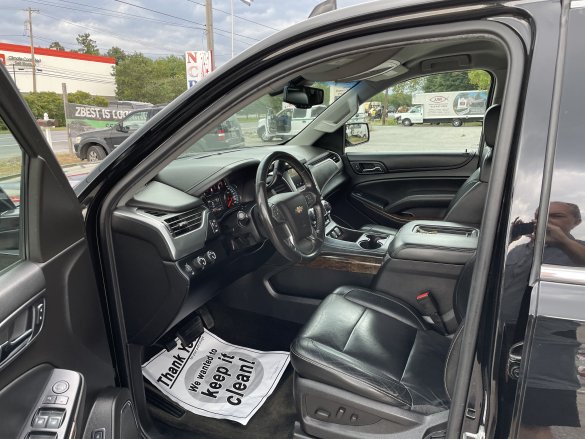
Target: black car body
438	327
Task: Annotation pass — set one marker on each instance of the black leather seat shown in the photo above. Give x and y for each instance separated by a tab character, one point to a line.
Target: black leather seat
365	344
467	205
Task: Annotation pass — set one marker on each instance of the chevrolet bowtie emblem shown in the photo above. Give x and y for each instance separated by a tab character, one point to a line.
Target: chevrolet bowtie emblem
299	209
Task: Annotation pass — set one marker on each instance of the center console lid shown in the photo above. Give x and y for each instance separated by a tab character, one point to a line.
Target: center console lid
434	241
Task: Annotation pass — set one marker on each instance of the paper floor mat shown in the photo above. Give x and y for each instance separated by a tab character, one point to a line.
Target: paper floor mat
213	378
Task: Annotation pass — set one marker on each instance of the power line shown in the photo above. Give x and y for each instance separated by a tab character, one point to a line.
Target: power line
84	26
110	13
179	18
238	16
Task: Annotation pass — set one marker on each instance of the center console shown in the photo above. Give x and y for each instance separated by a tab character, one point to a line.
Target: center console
346	241
427	256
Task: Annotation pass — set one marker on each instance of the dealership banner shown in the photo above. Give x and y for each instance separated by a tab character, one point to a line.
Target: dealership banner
198	65
213	378
82	118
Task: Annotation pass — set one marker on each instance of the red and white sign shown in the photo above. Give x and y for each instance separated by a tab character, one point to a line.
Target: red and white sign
198	64
2	58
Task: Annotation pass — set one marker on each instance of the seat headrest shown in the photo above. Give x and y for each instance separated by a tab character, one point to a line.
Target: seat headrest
490	125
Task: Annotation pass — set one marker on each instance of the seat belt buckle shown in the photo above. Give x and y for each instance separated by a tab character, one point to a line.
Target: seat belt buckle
427	304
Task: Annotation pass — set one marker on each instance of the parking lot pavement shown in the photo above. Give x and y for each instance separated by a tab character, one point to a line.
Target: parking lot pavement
420	138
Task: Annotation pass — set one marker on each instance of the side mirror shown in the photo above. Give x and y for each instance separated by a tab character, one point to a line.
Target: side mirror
6	203
303	97
121	128
356	133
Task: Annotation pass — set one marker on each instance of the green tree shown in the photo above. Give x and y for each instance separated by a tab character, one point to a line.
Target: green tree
87	44
46	102
117	53
56	45
398	100
480	79
452	81
84	98
139	78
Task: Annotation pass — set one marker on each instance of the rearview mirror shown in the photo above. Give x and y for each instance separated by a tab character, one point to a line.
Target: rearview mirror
356	133
303	97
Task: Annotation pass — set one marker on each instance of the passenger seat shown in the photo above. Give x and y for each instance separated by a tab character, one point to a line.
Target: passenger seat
467	205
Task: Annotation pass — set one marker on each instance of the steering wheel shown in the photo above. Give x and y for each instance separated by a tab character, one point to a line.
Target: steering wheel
286	217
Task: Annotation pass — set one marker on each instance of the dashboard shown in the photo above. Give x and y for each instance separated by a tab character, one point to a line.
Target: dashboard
196	218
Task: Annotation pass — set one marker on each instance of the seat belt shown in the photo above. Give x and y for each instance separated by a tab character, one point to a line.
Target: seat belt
427	304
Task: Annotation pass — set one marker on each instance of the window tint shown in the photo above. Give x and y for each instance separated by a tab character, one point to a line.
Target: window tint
432	113
10	193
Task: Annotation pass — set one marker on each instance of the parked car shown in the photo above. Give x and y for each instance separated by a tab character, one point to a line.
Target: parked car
96	145
418	293
286	123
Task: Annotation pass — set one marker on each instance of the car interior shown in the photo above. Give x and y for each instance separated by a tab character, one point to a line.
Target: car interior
357	262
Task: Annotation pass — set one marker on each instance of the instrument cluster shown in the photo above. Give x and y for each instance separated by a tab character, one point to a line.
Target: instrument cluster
222	197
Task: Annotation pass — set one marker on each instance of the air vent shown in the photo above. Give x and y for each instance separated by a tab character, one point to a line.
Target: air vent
335	157
155	213
185	222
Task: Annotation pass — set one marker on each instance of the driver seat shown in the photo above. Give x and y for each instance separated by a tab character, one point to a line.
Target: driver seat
368	363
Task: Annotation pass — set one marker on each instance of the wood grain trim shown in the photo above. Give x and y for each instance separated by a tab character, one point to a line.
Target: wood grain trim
347	263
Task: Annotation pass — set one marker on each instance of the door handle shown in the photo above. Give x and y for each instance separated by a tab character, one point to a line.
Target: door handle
369	167
15	345
19	330
374	170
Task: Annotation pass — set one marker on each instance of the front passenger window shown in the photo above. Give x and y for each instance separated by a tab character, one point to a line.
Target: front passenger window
10	194
430	114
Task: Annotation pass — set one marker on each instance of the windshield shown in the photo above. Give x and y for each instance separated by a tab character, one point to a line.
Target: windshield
266	121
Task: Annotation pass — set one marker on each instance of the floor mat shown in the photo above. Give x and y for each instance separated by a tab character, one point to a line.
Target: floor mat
216	379
274	420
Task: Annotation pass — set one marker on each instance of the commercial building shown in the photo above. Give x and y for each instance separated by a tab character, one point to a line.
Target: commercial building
81	72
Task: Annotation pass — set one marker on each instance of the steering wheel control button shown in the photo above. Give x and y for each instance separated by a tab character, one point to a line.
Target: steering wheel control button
276	214
310	197
60	387
99	434
62	400
49	399
211	256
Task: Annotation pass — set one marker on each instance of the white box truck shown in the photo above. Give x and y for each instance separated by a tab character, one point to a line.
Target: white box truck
454	107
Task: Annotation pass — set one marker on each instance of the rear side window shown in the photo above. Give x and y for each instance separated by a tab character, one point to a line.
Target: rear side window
10	198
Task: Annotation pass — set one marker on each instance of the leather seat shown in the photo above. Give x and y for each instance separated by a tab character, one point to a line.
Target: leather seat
375	346
467	205
363	344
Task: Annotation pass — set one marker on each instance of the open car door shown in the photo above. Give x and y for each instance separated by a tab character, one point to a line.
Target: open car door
55	359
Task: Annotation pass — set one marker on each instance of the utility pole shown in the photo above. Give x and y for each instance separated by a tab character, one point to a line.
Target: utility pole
209	30
66	105
32	48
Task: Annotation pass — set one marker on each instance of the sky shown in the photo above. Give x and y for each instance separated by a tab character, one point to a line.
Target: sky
153	27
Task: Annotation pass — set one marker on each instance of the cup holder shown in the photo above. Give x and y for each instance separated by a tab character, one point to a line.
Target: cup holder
371	242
